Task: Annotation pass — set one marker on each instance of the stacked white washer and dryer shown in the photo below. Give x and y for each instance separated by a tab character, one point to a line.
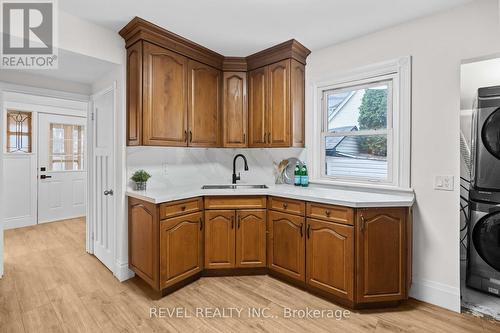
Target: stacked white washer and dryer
483	262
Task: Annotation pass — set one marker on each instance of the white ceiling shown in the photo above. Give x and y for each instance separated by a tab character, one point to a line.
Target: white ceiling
74	73
242	27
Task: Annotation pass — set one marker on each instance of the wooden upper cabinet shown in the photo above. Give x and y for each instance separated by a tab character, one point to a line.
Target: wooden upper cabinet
134	94
257	107
204	106
181	248
276	95
330	257
297	103
219	239
251	238
279	104
164	97
286	244
177	94
235	108
381	247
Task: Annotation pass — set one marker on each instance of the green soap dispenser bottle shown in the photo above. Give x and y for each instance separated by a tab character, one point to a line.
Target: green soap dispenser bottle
304	177
297	172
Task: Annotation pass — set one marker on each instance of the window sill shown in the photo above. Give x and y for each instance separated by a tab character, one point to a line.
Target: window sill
360	186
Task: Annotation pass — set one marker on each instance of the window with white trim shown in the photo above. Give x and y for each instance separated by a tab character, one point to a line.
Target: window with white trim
362	135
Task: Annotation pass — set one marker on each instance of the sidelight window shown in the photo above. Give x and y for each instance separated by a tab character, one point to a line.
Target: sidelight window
19	132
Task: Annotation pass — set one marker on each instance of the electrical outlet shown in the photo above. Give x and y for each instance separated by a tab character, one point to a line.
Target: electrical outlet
444	183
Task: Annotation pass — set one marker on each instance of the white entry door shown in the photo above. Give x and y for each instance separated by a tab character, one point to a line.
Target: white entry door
62	173
103	177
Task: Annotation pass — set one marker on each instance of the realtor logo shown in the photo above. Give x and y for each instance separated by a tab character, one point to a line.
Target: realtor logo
28	31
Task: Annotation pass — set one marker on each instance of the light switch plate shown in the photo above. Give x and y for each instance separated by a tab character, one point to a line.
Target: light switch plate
444	183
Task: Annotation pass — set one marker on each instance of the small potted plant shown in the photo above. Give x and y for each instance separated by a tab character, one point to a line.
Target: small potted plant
140	177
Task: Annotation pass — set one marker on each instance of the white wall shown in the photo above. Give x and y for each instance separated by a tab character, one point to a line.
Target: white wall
83	37
437	44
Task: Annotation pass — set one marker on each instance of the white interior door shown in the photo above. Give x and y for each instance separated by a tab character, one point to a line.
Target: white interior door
103	177
62	171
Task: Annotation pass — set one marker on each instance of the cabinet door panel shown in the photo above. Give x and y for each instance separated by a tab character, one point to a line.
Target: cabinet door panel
381	254
286	244
134	94
204	105
279	104
330	257
219	238
165	97
235	114
251	238
143	245
181	253
257	107
297	103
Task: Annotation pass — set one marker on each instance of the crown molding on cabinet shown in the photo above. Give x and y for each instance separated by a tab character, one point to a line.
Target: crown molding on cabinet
289	49
140	29
234	64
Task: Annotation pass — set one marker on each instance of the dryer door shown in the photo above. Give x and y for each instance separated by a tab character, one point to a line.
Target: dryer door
486	239
490	133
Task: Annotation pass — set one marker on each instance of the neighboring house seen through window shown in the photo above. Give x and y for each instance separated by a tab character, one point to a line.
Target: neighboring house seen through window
356	131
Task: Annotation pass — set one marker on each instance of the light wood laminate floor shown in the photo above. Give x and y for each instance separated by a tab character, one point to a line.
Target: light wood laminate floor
52	285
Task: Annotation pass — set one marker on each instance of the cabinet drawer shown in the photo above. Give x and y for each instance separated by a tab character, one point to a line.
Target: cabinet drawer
287	205
231	202
175	208
332	213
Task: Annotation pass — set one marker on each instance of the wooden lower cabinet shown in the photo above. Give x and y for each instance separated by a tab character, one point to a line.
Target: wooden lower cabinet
358	257
251	238
143	245
235	238
381	246
286	244
330	257
181	248
219	239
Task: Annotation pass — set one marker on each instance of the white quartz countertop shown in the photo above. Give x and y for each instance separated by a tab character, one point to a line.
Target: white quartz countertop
336	196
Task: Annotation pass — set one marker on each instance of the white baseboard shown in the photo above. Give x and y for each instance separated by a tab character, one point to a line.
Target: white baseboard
122	272
436	293
18	223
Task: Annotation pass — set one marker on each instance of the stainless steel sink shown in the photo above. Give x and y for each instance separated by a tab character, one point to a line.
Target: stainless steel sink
231	187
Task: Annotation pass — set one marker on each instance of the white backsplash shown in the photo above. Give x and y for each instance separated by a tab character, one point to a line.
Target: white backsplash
171	166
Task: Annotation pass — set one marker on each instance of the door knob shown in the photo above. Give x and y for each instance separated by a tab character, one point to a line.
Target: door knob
108	192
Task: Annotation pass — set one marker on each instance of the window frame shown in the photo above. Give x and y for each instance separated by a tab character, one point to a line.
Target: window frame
398	71
9	133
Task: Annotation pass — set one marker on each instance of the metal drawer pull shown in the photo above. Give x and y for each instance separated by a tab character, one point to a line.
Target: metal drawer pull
308	231
285	205
362	226
201	223
301	230
327	213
